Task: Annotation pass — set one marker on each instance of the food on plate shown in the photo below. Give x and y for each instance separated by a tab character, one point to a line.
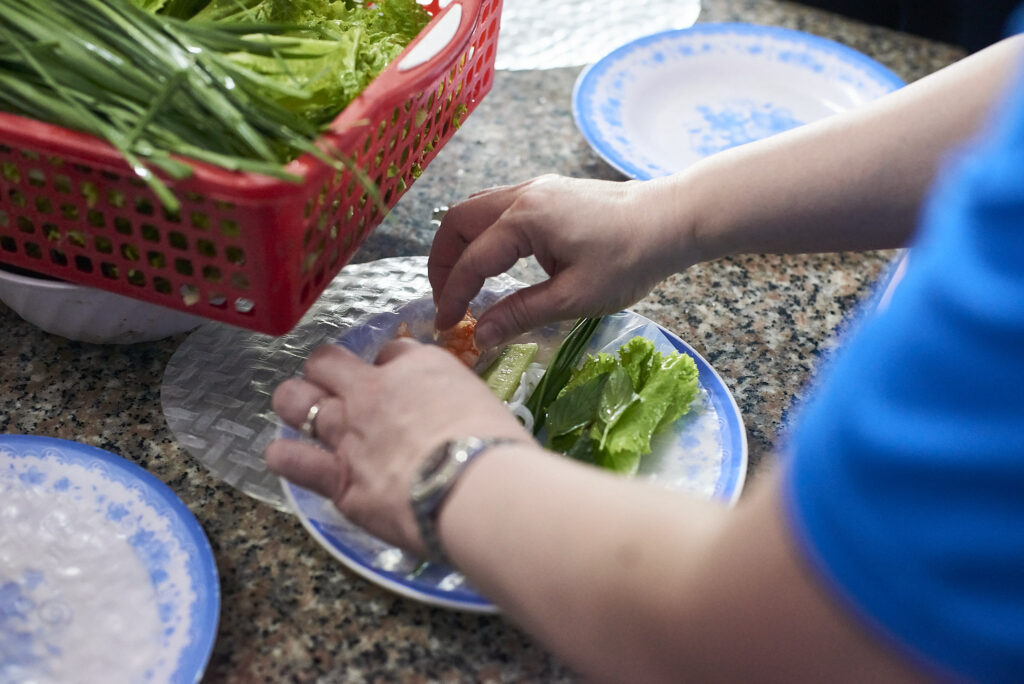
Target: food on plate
601	408
606	410
460	339
612	406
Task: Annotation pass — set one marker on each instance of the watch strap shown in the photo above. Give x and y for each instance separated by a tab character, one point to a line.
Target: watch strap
446	464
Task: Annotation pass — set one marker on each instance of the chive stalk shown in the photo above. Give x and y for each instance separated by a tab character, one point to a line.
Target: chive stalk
565	361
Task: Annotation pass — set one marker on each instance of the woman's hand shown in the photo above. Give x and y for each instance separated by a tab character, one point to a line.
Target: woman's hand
376	424
605	245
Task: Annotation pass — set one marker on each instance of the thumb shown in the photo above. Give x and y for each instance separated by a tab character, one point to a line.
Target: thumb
522	311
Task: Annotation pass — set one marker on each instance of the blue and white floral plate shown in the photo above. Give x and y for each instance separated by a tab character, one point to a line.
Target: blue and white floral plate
105	575
705	454
660	103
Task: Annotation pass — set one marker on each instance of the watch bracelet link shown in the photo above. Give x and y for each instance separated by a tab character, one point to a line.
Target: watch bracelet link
451	457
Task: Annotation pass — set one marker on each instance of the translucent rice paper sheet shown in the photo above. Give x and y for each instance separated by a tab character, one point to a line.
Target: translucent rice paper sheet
548	35
217	386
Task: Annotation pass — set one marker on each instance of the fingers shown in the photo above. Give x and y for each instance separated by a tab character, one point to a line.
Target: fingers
394	349
335	369
463	224
308	466
293	398
292	401
493	252
522	311
330	372
460	226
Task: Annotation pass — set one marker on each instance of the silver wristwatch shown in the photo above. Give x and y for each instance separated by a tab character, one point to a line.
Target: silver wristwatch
435	479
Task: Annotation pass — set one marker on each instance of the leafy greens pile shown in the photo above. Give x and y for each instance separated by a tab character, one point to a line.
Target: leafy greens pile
329	52
612	406
243	84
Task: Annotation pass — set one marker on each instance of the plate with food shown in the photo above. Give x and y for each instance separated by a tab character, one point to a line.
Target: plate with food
660	103
696	443
105	575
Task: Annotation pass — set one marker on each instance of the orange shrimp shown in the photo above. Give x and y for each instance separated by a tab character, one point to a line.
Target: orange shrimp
458	339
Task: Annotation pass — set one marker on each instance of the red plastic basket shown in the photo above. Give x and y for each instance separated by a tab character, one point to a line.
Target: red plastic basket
245	249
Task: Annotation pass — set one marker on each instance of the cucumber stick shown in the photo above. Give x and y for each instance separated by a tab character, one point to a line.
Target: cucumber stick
504	374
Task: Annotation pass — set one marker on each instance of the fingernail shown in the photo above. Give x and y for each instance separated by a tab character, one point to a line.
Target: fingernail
487	334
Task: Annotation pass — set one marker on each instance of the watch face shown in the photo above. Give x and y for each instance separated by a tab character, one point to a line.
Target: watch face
433	473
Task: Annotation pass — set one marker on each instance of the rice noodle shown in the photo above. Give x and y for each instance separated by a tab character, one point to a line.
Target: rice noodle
527	383
524	416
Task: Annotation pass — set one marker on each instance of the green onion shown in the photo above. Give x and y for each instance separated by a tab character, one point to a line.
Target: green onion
156	87
566	358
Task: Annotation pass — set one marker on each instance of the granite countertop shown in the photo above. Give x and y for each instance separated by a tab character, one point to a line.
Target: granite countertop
289	610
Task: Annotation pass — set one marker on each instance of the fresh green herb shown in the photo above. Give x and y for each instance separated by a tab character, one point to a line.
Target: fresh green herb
612	406
332	54
237	85
560	369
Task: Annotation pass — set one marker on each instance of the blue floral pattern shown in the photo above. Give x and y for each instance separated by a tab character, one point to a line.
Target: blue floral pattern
736	123
158	527
614	98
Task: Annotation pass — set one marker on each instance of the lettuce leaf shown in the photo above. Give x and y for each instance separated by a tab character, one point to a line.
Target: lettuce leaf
328	52
670	387
612	406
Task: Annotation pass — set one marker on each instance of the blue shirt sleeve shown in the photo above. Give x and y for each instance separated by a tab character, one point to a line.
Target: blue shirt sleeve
905	484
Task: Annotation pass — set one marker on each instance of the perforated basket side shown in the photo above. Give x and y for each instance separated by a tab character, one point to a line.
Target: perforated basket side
392	150
247	250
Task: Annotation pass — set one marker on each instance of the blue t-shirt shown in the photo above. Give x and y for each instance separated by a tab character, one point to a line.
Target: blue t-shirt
905	486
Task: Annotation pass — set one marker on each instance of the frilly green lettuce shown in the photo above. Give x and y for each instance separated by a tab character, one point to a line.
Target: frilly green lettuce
324	52
613	405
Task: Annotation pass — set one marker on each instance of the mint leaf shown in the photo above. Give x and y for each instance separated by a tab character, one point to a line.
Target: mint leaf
582	450
592	367
576	408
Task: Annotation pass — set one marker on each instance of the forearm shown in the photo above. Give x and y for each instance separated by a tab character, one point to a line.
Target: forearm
852	181
582	560
631	583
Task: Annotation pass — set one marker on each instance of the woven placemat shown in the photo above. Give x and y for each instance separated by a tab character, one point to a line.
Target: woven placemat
548	35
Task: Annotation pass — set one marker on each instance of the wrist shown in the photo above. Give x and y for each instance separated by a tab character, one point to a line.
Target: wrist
436	480
479	498
678	240
704	202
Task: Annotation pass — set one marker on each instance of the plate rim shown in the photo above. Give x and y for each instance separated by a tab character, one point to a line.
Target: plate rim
479	605
586	128
736	478
198	653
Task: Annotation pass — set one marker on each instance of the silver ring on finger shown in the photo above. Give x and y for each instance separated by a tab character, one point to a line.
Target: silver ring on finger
308	427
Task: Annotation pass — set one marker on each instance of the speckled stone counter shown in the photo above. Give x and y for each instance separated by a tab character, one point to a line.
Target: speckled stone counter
289	611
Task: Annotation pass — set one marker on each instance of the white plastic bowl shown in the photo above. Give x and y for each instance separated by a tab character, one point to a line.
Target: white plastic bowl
86	314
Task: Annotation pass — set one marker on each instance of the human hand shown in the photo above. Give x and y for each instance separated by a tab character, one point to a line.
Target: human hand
604	245
376	424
